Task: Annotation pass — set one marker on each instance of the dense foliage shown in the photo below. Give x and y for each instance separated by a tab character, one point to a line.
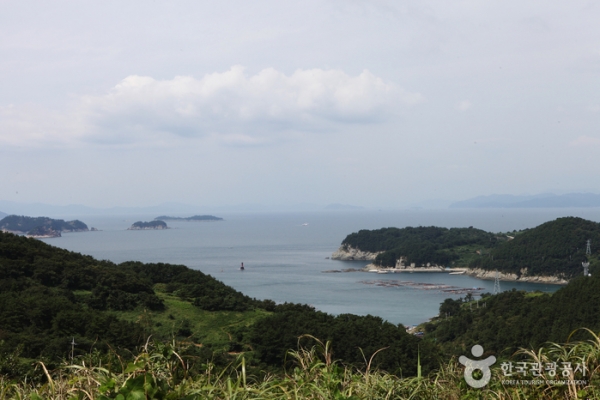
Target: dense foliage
554	248
19	223
357	339
148	225
420	245
165	371
49	296
513	319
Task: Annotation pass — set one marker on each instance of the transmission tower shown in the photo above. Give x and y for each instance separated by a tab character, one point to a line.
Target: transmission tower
588	252
588	247
497	283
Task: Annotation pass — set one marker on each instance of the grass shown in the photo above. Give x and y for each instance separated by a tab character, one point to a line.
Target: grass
181	318
159	372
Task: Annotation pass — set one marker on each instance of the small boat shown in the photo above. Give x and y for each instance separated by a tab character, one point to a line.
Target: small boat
457	273
242	267
383	272
305	224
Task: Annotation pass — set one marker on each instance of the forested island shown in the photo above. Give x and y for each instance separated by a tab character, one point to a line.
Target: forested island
166	331
193	218
40	226
554	249
142	225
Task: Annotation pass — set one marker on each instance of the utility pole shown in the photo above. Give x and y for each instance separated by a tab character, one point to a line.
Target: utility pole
73	349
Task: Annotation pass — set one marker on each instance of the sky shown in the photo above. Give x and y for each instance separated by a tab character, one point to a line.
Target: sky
371	103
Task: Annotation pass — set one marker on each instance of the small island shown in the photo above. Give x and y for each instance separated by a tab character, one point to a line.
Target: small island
139	225
40	227
193	218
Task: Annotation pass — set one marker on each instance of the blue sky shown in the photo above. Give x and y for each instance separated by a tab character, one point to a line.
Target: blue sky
373	103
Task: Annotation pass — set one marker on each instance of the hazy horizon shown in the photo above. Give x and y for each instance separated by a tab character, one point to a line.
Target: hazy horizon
377	104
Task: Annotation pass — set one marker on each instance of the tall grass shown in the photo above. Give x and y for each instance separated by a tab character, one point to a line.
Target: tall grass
159	372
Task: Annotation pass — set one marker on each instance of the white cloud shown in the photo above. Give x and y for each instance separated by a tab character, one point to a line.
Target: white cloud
233	105
463	105
585	141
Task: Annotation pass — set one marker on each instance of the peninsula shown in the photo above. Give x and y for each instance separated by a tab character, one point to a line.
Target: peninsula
550	253
40	227
139	225
193	218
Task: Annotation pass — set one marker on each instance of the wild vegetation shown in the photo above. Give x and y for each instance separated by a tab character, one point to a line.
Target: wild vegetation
33	225
156	224
507	321
164	371
72	327
50	296
422	245
555	248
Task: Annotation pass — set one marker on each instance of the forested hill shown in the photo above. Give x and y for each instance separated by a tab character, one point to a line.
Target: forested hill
48	296
555	248
20	223
514	319
422	245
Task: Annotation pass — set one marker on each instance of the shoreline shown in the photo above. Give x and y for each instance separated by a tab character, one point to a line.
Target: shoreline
475	273
347	253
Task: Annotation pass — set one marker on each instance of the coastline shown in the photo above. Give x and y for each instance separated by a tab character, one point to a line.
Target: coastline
348	253
491	275
475	273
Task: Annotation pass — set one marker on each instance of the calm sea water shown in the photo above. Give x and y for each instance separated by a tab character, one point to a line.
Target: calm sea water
284	259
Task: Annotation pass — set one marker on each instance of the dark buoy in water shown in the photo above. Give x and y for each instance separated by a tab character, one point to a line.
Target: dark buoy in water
242	267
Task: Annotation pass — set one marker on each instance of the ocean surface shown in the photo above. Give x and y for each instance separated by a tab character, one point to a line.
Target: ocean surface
284	259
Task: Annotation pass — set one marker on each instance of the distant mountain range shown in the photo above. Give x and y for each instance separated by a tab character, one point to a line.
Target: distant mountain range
171	208
12	207
546	200
193	218
342	207
2	215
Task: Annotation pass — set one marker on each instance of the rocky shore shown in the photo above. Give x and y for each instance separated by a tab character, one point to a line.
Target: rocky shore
431	268
347	253
491	275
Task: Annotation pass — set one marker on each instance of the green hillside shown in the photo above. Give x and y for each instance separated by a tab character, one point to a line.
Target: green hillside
48	296
554	248
505	322
20	223
422	245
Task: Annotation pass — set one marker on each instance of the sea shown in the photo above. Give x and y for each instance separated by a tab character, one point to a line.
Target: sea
285	255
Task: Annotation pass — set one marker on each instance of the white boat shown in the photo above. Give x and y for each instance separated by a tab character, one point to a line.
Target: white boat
457	273
383	272
305	224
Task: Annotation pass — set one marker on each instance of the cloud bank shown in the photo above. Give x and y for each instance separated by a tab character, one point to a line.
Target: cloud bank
232	105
